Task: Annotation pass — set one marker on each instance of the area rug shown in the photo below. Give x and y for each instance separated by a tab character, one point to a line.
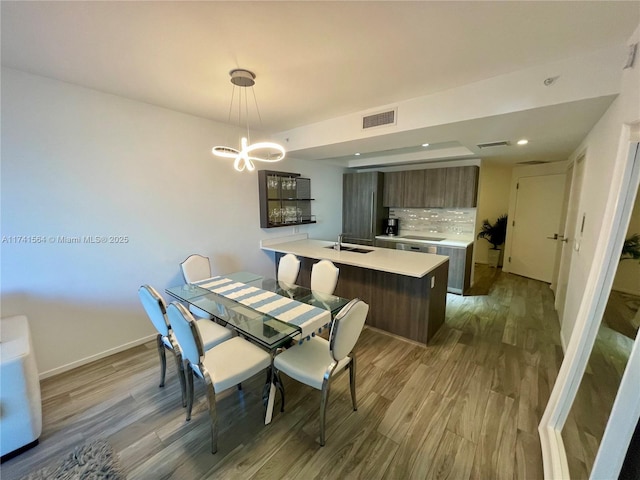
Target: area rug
92	461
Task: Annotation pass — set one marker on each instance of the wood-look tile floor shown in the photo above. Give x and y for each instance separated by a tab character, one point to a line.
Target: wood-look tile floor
466	406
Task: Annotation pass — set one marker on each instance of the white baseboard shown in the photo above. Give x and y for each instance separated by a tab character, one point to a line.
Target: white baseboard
93	358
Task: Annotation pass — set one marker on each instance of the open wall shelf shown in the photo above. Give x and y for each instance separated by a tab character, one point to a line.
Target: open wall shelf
285	199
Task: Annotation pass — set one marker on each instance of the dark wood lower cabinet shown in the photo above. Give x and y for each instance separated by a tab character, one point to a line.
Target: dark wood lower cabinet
385	244
460	260
460	263
406	306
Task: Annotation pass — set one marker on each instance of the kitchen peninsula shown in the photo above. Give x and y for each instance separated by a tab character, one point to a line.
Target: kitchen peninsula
406	291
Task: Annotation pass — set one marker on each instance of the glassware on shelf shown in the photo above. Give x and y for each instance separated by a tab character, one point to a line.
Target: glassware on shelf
275	216
272	182
284	199
290	215
289	184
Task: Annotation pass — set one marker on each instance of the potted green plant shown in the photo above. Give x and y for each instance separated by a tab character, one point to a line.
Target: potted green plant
495	234
631	248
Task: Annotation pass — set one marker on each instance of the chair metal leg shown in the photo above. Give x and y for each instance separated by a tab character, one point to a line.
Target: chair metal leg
213	414
181	374
352	381
189	378
324	400
280	387
163	359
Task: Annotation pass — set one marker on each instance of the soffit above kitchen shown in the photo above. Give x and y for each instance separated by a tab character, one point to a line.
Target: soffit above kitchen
321	61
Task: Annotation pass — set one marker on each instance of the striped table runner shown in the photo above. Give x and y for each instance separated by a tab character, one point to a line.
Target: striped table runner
309	319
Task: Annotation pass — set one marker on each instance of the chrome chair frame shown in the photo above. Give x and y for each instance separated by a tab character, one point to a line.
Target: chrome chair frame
204	374
170	344
331	373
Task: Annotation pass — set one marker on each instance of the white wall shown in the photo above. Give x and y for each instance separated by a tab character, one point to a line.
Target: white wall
77	162
493	200
602	147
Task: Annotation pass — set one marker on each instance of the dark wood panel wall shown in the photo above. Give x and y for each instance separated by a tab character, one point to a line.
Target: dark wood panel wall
362	211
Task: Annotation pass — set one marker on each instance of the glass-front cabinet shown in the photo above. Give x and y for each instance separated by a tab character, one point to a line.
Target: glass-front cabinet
285	199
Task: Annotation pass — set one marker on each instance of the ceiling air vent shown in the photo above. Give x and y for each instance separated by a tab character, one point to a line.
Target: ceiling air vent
503	143
379	119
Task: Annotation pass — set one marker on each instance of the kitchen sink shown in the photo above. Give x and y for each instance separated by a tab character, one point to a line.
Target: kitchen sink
351	249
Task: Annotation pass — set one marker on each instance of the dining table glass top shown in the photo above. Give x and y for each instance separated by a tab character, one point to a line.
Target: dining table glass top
261	327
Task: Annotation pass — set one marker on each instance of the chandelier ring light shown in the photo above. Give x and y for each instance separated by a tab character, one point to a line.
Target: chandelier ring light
248	153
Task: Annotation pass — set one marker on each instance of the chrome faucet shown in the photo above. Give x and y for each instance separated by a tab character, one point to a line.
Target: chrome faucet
338	245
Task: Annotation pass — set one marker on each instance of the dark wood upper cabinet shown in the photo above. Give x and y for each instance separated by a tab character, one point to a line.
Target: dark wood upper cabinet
434	187
461	187
394	189
414	188
451	187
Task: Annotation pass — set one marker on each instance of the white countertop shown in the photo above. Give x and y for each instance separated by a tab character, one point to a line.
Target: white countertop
447	242
411	264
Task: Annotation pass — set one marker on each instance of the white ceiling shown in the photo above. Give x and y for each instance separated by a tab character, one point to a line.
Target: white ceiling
315	61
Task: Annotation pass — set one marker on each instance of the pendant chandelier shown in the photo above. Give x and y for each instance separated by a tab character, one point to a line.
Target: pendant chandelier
248	153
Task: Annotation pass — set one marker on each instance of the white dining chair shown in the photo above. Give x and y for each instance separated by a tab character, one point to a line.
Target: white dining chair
317	362
156	309
288	269
194	268
324	277
222	367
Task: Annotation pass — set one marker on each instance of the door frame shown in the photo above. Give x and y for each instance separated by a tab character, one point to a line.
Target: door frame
568	185
569	229
626	408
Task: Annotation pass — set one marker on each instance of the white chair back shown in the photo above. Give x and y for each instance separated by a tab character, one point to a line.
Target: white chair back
324	277
288	269
155	307
196	267
186	332
346	328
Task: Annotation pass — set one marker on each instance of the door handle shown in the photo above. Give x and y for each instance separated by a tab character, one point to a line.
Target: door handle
562	238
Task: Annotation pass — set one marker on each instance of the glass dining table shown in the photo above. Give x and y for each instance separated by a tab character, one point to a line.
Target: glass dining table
256	325
262	328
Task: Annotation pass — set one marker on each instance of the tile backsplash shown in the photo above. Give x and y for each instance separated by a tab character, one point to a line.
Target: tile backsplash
450	222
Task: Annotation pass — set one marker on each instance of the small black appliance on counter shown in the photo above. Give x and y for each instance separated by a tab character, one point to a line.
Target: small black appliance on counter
391	228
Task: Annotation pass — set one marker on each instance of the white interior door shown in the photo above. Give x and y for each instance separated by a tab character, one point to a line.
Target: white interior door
535	225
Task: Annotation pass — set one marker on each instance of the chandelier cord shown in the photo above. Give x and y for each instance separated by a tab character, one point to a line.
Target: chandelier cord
255	100
246	108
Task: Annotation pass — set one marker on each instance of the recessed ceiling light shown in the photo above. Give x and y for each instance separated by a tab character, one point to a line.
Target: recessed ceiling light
425	144
524	141
356	154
